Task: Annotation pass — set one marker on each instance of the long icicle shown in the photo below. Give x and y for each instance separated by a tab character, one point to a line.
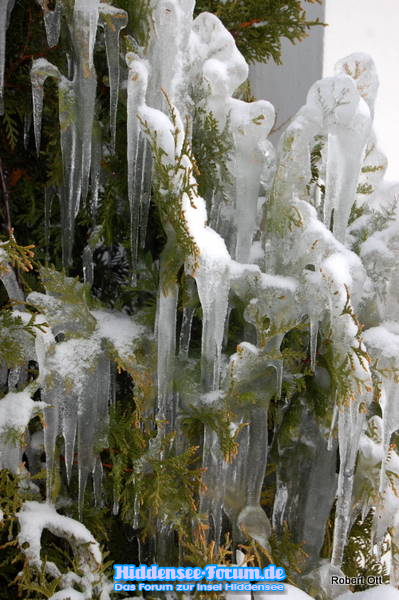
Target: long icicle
113	20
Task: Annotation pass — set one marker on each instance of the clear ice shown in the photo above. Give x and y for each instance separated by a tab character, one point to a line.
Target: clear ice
285	246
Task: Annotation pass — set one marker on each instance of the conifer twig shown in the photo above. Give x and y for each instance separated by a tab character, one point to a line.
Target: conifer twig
6	198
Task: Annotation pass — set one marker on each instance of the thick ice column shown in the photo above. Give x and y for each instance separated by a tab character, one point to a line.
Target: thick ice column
168	48
306	480
166	334
92	419
250	126
213	284
248	374
84	29
216	62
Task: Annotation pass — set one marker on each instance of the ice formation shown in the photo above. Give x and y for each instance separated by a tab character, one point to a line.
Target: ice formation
288	248
33	518
74	375
77	96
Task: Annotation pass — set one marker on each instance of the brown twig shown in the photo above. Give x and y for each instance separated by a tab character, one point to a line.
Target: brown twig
6	198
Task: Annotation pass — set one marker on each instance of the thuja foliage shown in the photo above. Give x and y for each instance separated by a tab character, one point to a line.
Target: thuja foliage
258	26
360	561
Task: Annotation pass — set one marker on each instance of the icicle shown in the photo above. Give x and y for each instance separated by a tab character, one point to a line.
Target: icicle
115	507
213	285
52	395
211	501
52	21
41	69
27	126
347	452
390	411
48	199
212	276
51	431
250	125
346	119
70	192
166	354
113	20
243	477
165	51
92	418
278	366
382	344
313	332
88	265
252	517
69	424
306	479
95	169
136	89
351	421
84	27
136	512
188	314
5	12
185	332
145	188
17	376
97	482
332	427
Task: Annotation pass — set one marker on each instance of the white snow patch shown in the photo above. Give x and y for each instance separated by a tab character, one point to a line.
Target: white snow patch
118	329
16	410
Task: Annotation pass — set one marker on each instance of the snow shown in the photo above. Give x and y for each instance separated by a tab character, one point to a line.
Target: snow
16	410
388	592
120	330
35	516
384	339
290	593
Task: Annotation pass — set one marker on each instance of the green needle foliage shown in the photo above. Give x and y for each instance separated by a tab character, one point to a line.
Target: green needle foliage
258	26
